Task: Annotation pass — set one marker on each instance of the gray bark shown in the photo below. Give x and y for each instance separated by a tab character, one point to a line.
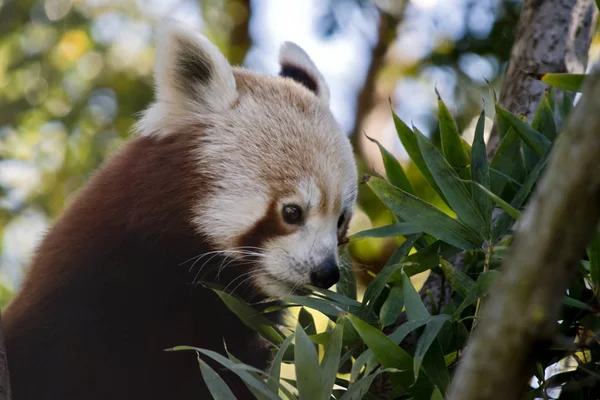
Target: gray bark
554	231
552	36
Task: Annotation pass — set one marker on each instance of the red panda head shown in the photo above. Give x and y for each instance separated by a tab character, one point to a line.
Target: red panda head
280	177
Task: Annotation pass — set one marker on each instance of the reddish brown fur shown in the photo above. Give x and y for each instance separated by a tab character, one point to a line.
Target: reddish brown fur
107	290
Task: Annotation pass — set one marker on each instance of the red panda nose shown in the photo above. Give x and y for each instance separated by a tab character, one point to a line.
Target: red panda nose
326	276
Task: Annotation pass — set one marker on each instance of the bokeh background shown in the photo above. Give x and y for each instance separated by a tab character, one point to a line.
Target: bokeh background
75	73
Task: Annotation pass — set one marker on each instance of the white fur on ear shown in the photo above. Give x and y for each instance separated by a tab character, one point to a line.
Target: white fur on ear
191	71
297	65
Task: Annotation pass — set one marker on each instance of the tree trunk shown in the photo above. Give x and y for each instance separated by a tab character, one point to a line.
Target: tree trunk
554	231
4	375
367	95
552	36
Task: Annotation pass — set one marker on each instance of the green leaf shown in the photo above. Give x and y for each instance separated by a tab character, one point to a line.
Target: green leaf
564	81
534	139
503	204
426	339
331	359
257	393
452	143
393	169
480	172
359	363
324	306
275	371
422	261
411	145
386	351
594	257
359	389
307	322
347	284
543	122
425	216
571	302
505	161
216	386
459	281
436	395
504	221
452	186
392	307
378	283
399	229
241	370
484	281
251	317
403	330
308	372
415	310
336	298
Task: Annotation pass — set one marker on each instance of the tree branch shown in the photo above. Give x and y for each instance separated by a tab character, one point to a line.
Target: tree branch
552	36
554	230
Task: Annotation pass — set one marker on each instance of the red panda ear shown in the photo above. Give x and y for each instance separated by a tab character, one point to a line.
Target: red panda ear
297	65
191	71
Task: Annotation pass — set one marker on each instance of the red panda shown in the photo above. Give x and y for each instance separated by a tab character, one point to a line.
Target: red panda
233	177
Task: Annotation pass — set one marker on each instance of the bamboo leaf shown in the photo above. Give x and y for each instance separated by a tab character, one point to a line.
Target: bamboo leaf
241	370
564	81
484	281
534	139
505	161
504	221
308	377
452	144
411	145
392	307
331	359
275	370
307	322
480	172
450	183
347	284
394	230
377	284
429	355
358	389
432	329
425	216
415	310
503	204
252	318
571	302
393	169
460	282
215	384
386	351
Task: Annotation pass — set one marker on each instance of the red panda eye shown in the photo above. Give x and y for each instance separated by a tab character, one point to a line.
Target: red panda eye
292	214
341	221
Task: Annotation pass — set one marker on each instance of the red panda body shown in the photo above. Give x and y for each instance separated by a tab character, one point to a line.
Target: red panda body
111	265
235	178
